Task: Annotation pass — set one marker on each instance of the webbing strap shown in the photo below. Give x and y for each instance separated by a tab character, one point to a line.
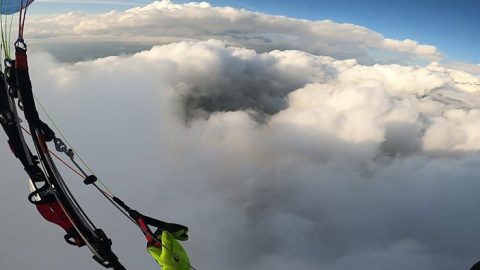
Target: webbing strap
21	19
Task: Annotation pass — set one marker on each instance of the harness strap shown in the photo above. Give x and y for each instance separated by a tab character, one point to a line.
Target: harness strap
152	238
26	95
25	85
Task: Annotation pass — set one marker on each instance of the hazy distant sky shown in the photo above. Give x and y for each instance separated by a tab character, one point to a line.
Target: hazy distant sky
452	26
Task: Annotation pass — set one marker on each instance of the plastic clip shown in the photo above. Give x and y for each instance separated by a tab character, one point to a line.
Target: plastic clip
20	43
90	180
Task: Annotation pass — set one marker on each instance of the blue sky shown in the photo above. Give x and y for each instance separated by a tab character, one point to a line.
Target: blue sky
449	25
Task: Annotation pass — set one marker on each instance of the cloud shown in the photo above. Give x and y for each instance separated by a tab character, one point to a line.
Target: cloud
276	159
471	68
164	22
95	2
282	143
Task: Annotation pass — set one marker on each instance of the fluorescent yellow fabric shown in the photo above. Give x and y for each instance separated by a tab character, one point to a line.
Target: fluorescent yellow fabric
171	256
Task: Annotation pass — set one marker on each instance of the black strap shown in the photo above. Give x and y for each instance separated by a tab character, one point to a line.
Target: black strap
25	85
25	88
71	239
158	224
11	128
45	194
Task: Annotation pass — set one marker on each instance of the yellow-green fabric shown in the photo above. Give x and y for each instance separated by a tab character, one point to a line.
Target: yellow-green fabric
171	256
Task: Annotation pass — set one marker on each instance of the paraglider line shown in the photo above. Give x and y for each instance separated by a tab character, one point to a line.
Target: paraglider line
110	199
57	157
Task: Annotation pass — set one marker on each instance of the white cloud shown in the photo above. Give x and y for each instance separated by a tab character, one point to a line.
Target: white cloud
410	46
471	68
276	159
282	143
163	22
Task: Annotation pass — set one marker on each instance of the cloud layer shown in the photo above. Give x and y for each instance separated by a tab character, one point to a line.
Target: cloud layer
282	143
163	22
275	160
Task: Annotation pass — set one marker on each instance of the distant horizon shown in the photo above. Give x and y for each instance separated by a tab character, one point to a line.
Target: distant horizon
448	26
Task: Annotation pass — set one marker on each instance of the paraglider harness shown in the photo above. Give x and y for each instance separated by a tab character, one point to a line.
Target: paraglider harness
49	193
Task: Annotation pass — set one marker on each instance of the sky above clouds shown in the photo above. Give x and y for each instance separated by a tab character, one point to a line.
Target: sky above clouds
163	22
282	143
450	25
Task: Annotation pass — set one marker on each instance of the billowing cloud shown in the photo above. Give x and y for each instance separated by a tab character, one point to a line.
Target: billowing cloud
275	160
163	22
